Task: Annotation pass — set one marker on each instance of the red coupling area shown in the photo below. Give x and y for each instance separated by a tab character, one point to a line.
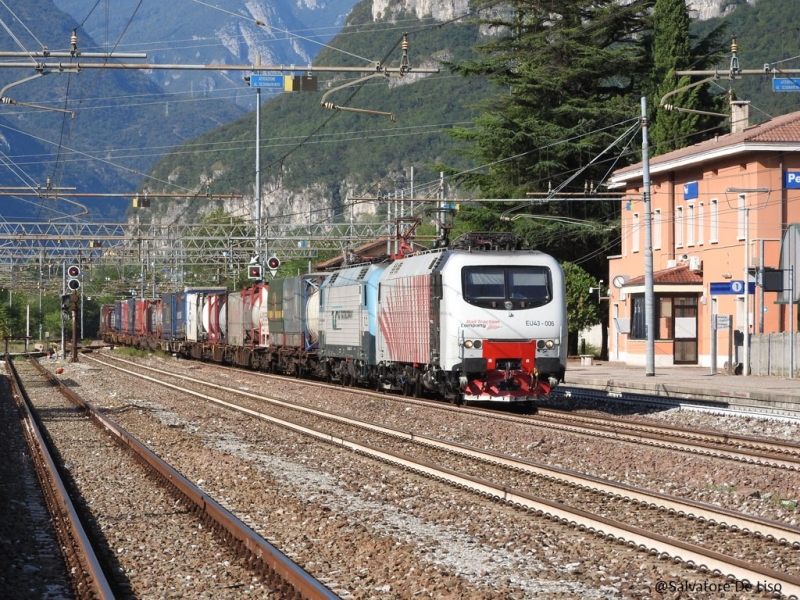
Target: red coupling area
514	384
524	351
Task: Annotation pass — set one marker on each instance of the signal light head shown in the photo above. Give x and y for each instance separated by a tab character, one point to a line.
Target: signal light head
273	263
254	272
74	284
73	271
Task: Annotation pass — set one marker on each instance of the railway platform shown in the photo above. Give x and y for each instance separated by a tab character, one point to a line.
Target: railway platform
686	383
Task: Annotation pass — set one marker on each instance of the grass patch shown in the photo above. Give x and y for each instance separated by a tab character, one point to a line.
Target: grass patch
786	503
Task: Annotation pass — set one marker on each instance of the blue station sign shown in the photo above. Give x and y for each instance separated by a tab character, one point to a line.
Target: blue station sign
792	180
270	82
730	288
690	190
781	84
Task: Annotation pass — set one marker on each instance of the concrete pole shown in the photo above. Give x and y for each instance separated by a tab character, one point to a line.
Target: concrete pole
649	293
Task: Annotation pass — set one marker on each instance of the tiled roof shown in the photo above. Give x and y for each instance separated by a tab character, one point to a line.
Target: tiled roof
674	275
780	130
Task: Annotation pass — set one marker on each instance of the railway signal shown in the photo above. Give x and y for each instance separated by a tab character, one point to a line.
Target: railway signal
65	305
254	272
272	264
73	283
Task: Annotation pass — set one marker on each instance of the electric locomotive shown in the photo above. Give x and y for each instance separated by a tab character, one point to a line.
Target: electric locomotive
479	321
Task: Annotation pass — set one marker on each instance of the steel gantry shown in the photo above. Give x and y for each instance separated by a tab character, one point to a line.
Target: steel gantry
117	257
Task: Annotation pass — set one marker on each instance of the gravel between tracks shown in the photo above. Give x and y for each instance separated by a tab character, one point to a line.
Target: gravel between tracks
153	545
369	530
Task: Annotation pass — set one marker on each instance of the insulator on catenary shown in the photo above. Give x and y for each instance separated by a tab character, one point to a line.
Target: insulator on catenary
5	100
329	105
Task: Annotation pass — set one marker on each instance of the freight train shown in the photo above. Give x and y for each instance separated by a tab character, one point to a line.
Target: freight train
469	323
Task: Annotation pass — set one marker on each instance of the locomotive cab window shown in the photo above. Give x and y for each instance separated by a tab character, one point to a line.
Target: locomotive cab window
493	287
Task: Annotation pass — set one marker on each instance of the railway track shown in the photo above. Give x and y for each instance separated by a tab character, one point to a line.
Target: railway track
122	531
719	540
87	575
761	451
747	449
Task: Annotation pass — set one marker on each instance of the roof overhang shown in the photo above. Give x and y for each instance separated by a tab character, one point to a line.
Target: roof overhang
621	179
666	288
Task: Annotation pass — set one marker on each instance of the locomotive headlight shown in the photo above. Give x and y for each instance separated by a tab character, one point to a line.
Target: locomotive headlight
477	344
468	344
549	344
508	304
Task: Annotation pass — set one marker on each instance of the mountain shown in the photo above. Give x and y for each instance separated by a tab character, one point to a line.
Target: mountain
193	32
313	160
92	130
127	121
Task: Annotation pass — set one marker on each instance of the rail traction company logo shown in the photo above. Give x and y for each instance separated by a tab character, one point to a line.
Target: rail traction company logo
481	324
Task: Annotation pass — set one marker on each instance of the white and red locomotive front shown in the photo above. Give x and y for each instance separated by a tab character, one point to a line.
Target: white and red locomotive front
475	326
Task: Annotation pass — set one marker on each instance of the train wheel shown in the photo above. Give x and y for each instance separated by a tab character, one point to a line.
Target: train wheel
406	388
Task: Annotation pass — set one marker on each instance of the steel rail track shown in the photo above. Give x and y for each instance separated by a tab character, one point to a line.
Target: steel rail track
751	450
691	554
721	406
278	566
83	566
714	439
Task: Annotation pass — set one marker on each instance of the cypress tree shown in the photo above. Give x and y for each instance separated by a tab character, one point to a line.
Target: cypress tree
672	51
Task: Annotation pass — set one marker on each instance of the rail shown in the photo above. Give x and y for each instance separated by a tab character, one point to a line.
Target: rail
274	561
654	543
89	579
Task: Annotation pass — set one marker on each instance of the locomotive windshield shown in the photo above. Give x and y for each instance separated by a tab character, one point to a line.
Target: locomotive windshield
507	287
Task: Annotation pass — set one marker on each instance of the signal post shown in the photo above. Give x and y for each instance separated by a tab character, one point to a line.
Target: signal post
73	285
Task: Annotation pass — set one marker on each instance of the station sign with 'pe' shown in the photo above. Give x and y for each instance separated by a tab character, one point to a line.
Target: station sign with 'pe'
792	180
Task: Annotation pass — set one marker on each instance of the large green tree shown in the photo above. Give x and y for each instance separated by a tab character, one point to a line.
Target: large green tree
570	74
683	120
567	70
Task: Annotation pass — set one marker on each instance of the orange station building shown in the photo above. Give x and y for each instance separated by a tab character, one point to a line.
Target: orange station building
709	202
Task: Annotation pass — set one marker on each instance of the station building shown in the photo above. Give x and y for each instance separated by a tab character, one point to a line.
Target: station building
718	207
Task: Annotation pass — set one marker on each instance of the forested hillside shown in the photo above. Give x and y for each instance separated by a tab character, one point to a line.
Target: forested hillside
304	146
766	33
321	156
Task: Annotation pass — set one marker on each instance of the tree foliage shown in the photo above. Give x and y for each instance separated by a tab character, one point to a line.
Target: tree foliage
565	71
672	51
583	308
569	75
